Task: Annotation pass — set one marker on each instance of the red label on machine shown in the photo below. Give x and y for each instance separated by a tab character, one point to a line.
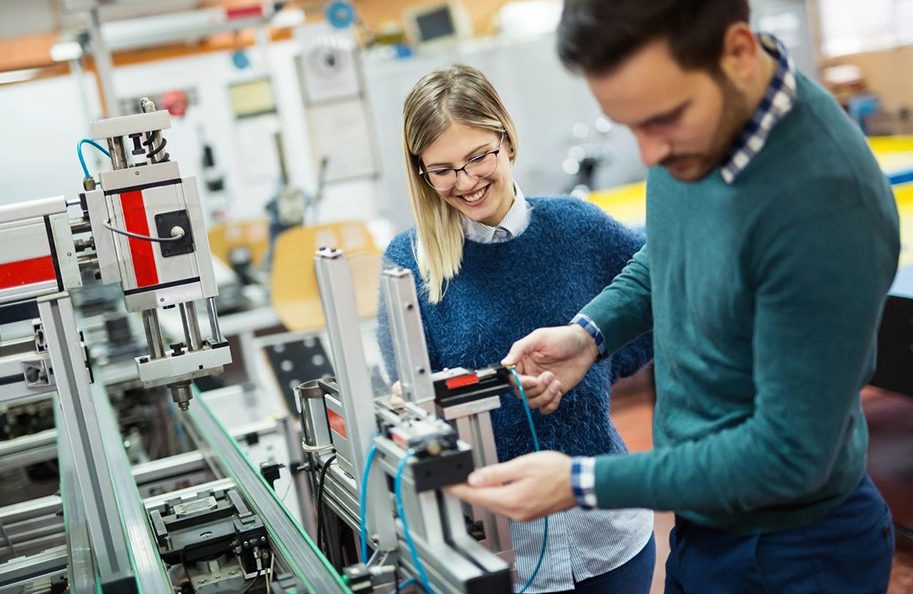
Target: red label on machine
337	423
26	272
244	12
136	221
461	381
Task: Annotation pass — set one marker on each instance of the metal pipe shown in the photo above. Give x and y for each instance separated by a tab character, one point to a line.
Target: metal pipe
118	154
88	262
213	312
292	434
191	325
153	333
80	226
103	66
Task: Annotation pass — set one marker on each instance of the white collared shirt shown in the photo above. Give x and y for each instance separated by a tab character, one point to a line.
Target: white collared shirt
513	224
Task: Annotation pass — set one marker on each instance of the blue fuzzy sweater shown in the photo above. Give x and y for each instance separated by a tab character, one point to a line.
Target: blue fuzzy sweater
568	254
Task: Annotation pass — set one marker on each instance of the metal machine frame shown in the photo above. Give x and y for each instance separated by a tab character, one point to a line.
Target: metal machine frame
344	418
143	229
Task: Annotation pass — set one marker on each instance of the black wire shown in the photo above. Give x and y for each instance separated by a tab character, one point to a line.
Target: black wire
252	582
320	483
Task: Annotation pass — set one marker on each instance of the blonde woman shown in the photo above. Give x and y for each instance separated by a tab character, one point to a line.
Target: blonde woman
491	266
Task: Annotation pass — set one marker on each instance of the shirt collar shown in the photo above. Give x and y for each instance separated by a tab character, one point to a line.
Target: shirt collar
777	102
513	224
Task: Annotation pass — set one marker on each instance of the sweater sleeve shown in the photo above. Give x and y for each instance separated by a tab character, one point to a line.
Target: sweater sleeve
818	298
623	310
621	244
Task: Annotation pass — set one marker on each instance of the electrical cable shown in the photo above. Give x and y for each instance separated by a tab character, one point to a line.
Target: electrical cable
178	237
362	505
82	160
532	429
252	582
320	483
398	496
404	584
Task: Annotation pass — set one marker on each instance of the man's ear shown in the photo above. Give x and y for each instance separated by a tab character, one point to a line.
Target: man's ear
740	56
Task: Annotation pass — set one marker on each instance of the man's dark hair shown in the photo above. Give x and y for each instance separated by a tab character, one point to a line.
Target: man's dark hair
595	36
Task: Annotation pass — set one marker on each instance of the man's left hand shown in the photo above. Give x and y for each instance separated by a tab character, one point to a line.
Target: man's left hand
523	489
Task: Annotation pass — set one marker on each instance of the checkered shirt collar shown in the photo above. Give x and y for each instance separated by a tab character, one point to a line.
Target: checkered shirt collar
777	102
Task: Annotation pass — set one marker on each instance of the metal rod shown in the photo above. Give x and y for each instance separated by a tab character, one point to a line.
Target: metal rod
153	333
80	226
103	66
213	312
337	294
88	262
78	423
291	432
118	155
191	325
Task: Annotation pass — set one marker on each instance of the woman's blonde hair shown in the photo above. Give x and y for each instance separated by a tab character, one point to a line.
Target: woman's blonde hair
456	95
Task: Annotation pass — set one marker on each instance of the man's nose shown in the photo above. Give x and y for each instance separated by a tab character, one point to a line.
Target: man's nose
653	148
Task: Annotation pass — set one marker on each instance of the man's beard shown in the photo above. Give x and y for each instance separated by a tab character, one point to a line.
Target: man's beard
691	167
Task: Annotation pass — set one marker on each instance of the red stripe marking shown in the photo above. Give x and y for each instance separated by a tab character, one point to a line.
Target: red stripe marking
337	423
140	250
26	272
240	12
463	380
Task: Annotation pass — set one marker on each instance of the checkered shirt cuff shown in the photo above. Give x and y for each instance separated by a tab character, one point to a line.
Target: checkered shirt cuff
583	481
593	330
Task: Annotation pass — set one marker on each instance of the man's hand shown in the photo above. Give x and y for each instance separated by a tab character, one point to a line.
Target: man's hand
552	361
524	489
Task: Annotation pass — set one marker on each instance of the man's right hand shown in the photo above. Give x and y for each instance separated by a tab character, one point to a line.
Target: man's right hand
552	361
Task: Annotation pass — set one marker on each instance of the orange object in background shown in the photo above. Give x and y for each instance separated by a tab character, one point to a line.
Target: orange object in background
251	235
294	293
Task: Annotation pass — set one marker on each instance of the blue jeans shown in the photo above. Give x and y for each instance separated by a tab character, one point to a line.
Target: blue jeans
849	551
634	577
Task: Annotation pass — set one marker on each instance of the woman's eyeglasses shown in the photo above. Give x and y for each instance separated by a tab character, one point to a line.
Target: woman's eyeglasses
483	165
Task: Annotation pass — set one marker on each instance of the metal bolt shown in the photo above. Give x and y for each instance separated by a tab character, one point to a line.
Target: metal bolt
31	374
136	172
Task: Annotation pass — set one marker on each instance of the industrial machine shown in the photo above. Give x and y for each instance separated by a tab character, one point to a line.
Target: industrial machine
125	516
139	226
441	433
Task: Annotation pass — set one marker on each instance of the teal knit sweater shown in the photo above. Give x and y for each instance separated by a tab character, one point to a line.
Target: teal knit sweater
764	297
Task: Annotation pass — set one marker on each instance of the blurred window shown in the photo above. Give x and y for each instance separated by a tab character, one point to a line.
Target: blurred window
851	26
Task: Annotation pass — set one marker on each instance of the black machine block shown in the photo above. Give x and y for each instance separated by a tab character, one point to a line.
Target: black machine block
459	385
164	223
448	468
297	361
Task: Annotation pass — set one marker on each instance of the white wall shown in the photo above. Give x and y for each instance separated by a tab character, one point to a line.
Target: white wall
42	121
544	100
40	124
